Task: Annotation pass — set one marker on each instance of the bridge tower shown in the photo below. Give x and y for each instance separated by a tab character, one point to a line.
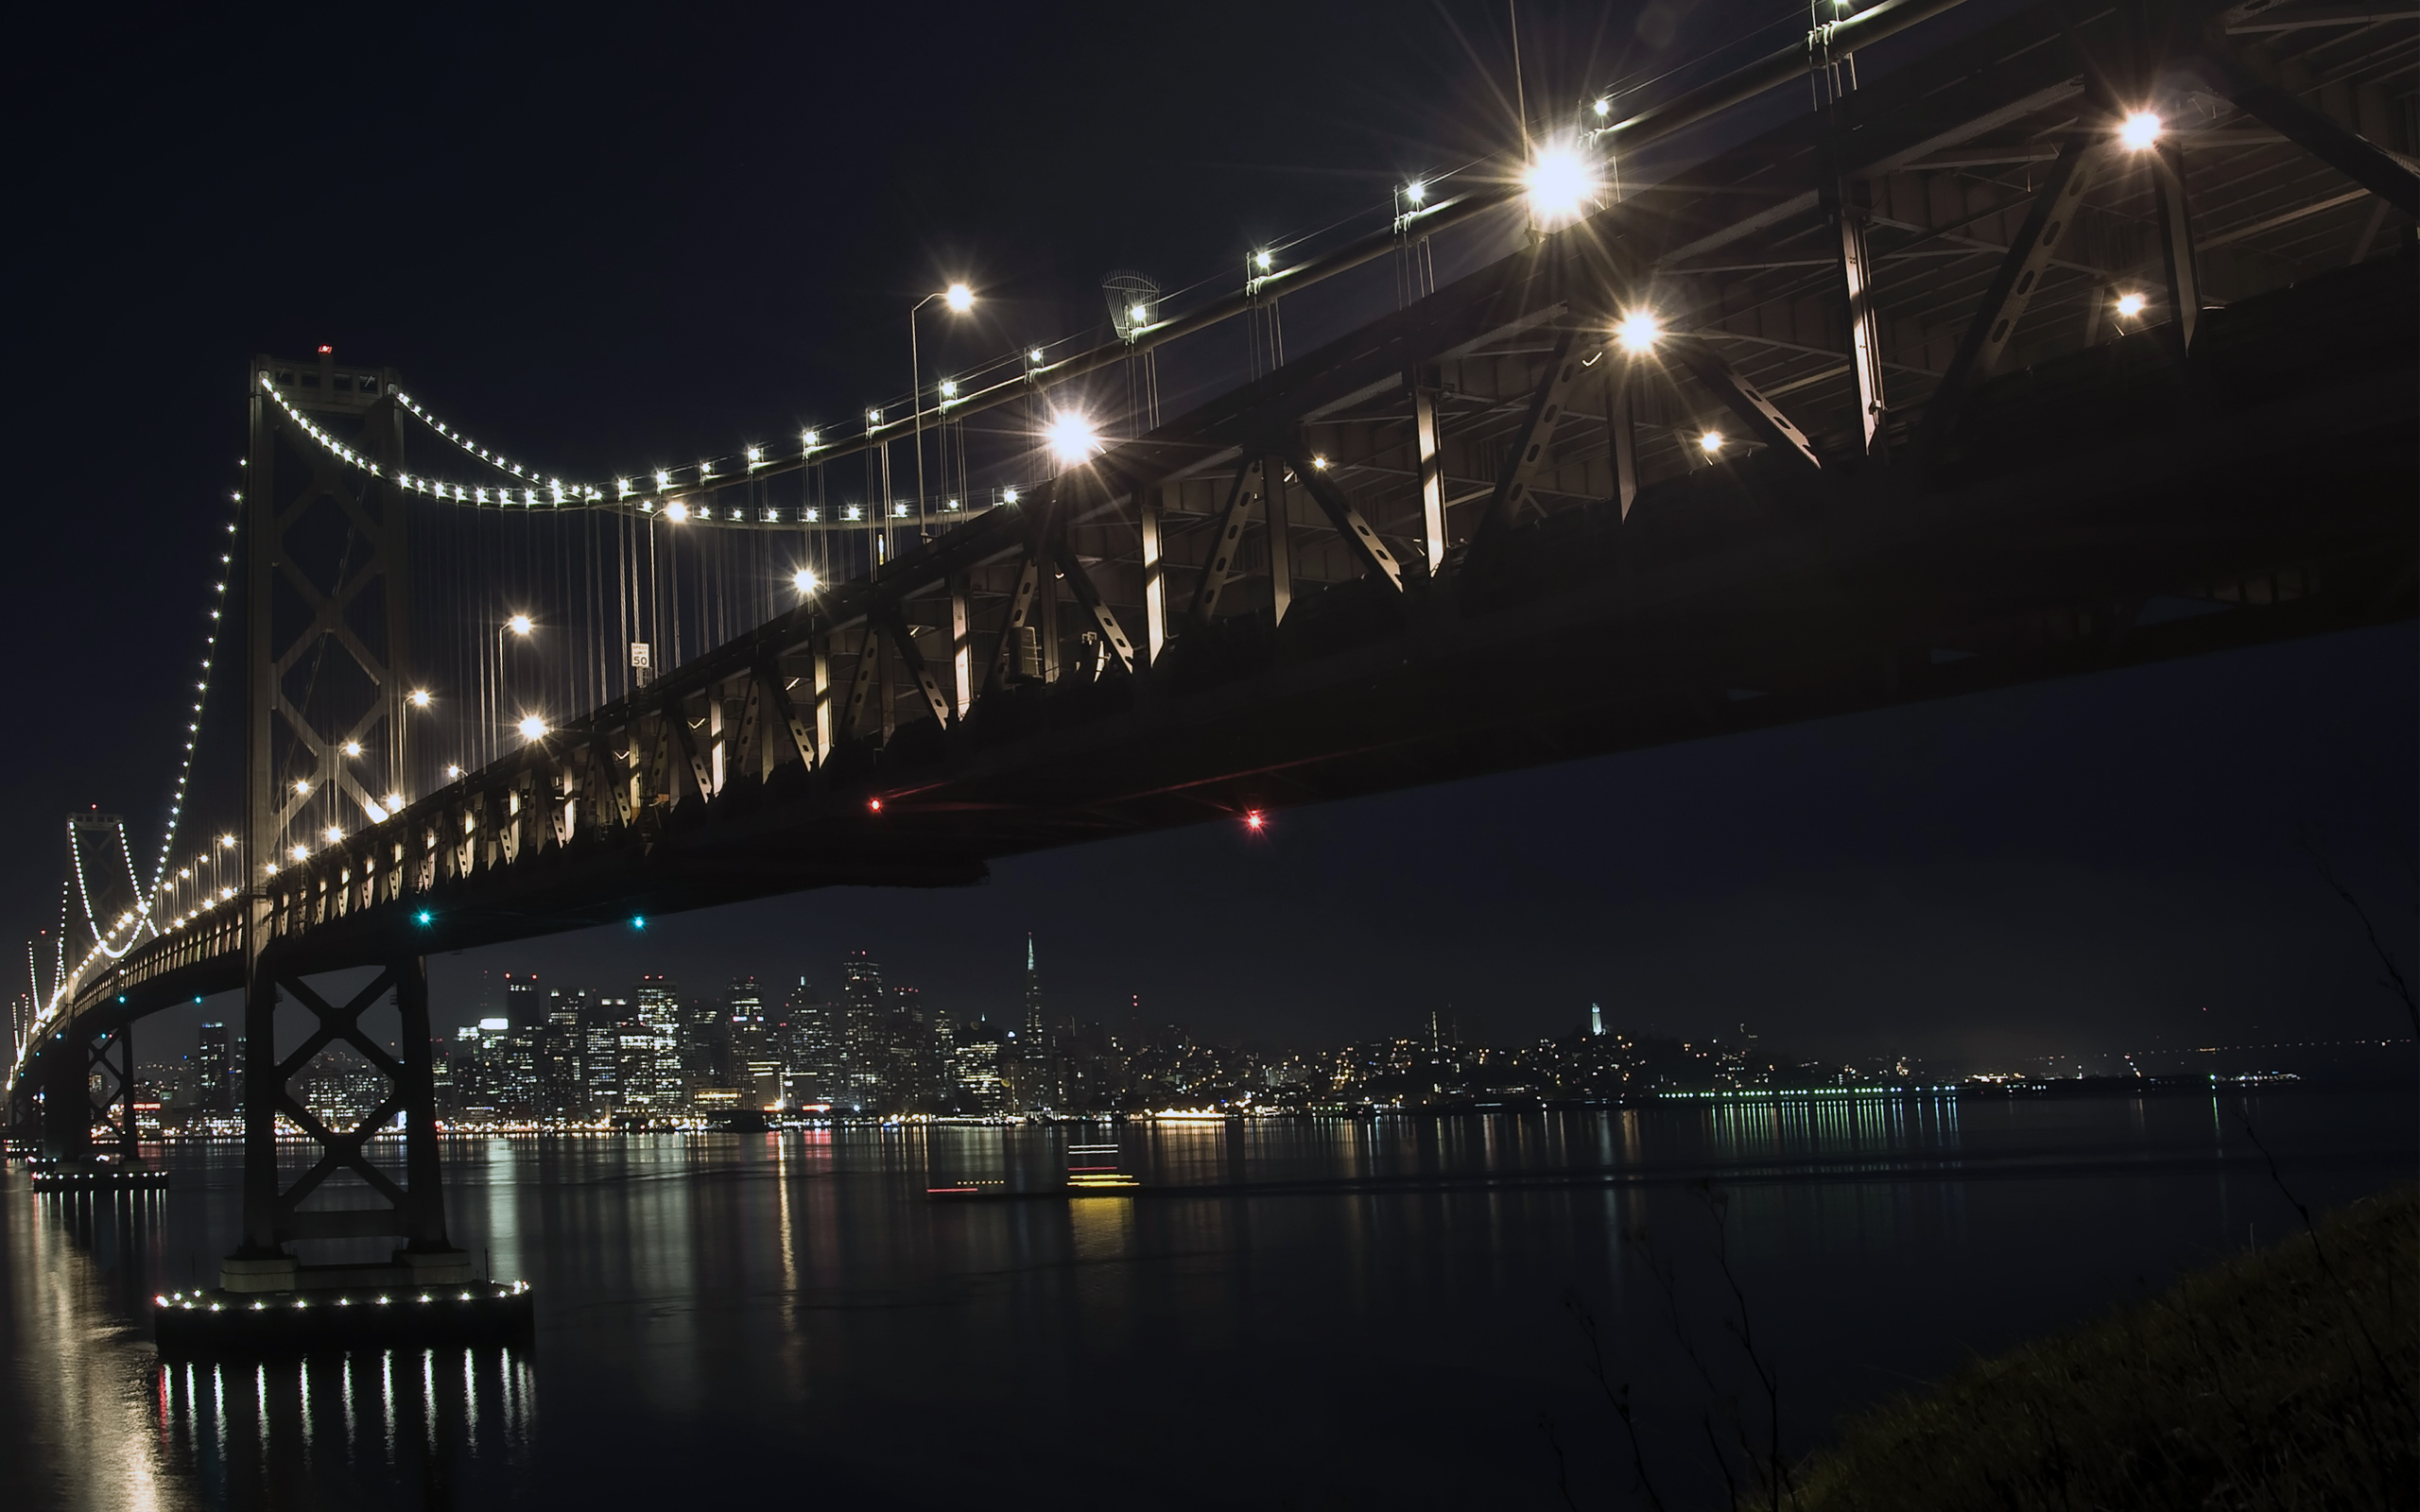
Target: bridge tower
327	646
86	1076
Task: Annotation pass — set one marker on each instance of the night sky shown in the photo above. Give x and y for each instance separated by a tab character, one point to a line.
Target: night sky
576	229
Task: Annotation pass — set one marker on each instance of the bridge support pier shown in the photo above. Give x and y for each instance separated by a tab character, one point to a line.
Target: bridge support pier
274	1214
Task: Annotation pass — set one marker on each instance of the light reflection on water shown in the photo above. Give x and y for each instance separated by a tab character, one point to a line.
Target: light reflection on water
398	1426
1358	1312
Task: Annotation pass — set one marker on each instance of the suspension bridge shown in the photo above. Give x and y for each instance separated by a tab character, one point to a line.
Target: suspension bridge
2063	341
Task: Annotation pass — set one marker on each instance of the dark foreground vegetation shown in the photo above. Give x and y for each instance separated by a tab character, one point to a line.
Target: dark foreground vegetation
2283	1378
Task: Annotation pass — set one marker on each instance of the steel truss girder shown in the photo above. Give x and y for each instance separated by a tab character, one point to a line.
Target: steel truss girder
2356	157
895	630
1511	496
1358	538
2019	275
1226	542
1762	417
1088	596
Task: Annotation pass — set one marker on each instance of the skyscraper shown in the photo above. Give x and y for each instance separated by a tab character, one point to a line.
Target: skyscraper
1032	1000
602	1021
1035	1084
815	1045
562	1089
657	1076
214	1071
864	1030
758	1060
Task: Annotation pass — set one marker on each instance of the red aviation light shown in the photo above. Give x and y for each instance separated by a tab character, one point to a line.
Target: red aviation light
1254	820
873	806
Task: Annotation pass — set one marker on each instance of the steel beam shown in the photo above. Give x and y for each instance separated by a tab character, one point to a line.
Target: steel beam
861	682
2176	243
2374	169
802	738
1228	543
903	639
1623	437
1530	443
2020	273
1020	604
1358	538
1155	592
1430	460
961	646
1865	324
1280	544
1080	582
1762	417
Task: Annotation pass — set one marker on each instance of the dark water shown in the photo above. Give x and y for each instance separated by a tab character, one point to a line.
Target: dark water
1344	1314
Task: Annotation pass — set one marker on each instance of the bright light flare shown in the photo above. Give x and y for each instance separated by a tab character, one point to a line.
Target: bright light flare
804	580
353	747
533	727
420	697
522	624
332	834
1415	192
873	806
958	297
1710	443
1638	332
1255	821
2139	131
1071	437
676	511
2131	305
1560	182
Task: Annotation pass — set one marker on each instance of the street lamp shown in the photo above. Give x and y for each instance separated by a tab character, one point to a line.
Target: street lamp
518	625
958	299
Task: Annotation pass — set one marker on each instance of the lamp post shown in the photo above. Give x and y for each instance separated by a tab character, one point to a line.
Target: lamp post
959	298
517	624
